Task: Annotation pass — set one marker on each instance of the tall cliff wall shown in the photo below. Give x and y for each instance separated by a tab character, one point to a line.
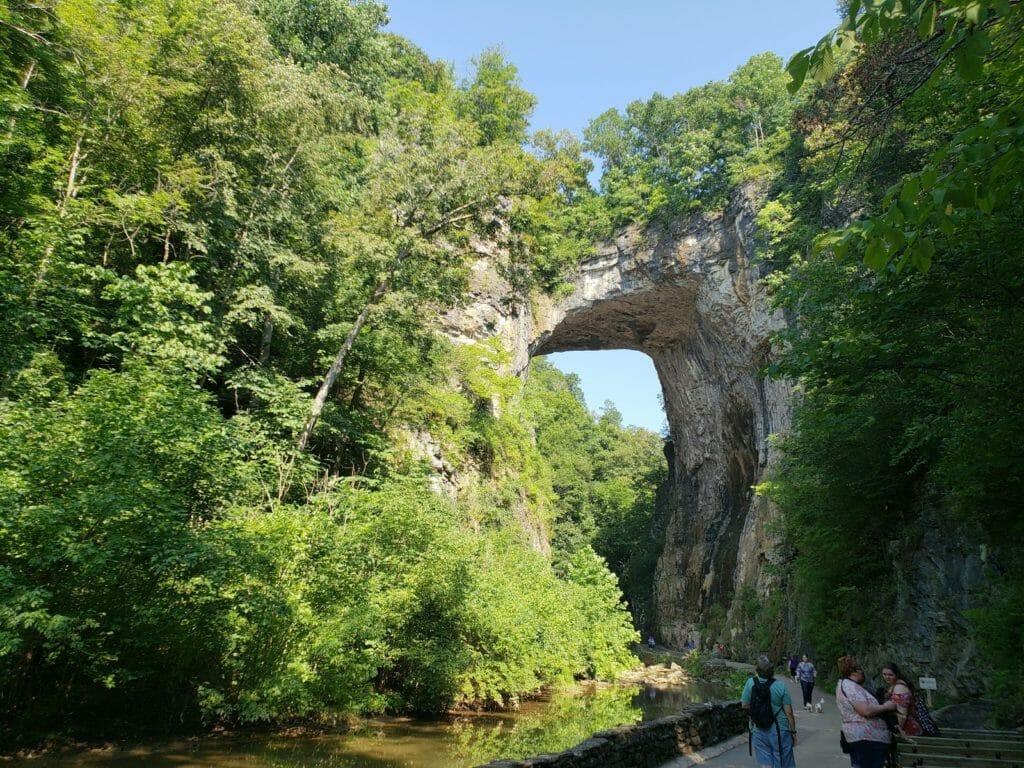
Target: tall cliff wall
688	295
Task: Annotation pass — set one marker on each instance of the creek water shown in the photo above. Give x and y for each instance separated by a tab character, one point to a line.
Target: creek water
549	724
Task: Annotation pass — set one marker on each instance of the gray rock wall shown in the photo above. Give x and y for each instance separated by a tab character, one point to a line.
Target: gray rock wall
690	296
939	578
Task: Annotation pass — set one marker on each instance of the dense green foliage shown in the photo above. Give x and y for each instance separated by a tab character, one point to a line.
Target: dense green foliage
183	581
908	425
210	210
672	155
974	169
227	230
605	477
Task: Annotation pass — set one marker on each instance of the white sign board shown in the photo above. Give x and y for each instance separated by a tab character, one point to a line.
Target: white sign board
927	684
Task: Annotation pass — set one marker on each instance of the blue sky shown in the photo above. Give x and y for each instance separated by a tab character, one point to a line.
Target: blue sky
580	58
625	377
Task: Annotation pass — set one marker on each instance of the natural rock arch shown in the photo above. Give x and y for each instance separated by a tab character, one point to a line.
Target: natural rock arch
688	295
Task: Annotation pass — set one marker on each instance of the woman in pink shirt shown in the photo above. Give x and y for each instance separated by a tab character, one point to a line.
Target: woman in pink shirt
866	733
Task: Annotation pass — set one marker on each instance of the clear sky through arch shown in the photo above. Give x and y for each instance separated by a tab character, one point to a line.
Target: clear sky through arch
581	57
624	376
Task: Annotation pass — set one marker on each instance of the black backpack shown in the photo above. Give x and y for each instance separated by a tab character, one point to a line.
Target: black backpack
761	704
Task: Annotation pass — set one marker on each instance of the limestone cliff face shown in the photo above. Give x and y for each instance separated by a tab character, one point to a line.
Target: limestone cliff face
688	295
939	578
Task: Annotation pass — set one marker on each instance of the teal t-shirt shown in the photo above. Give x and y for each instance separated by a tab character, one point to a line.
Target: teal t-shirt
780	698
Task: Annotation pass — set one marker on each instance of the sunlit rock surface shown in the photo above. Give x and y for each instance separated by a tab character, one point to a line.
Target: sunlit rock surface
688	296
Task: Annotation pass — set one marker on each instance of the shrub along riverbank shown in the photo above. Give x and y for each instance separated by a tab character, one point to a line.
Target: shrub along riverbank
158	589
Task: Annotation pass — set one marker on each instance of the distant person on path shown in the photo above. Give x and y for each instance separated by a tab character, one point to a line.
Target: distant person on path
865	733
794	662
912	712
772	722
806	673
650	641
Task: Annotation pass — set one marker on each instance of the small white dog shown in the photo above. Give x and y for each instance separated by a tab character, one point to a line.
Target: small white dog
819	705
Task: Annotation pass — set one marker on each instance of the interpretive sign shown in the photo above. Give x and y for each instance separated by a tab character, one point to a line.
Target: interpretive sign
927	684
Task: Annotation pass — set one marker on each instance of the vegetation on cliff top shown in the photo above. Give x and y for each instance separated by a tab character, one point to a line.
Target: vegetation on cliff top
673	155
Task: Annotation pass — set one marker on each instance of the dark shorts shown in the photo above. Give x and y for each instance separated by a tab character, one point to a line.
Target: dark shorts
868	754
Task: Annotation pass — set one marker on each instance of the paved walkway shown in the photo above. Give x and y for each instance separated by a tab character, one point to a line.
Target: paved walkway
817	737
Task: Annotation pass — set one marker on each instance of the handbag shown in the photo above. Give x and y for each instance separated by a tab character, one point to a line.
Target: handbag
924	717
844	745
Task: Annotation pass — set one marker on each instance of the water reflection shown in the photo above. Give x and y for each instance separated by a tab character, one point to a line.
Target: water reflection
548	725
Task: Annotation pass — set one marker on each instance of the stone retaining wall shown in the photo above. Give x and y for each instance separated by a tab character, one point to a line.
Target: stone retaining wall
646	745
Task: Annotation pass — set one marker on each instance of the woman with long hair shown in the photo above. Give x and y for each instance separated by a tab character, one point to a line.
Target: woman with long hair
913	715
865	736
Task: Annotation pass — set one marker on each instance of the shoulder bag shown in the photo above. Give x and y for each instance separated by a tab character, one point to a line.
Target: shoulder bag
844	745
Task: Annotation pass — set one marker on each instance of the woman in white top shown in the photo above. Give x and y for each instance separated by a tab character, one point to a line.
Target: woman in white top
866	733
806	673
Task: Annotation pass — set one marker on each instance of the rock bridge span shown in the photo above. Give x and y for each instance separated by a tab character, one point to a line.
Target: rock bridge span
688	295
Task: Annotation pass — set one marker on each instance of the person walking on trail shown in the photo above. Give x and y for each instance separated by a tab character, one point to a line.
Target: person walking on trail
806	673
772	731
794	662
865	736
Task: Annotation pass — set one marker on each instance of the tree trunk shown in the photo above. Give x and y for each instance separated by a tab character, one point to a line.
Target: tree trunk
26	74
70	191
268	336
357	392
23	80
268	321
339	362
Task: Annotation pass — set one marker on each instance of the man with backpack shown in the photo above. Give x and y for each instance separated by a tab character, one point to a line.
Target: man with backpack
772	723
